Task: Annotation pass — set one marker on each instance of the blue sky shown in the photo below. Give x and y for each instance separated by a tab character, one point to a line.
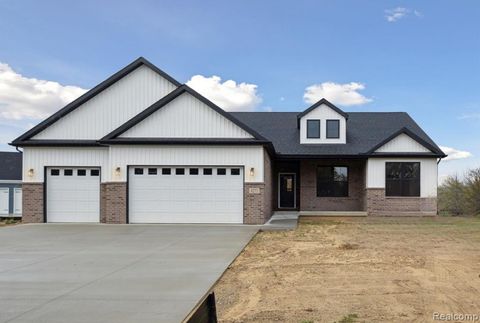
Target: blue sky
420	57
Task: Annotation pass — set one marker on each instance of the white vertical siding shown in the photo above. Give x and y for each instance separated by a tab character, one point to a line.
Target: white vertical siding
402	144
323	113
112	107
428	173
186	117
247	156
38	158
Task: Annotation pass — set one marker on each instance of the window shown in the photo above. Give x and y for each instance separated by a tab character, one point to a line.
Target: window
402	179
235	171
180	171
152	171
138	171
333	128
313	128
207	171
332	181
55	172
94	172
221	171
193	171
68	172
166	171
82	172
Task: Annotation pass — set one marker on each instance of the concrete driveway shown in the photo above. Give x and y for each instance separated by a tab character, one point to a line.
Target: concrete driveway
111	273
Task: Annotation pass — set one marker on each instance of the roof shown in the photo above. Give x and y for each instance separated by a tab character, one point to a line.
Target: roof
10	166
316	105
366	131
24	139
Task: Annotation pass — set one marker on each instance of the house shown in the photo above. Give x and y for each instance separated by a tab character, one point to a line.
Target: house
10	184
142	148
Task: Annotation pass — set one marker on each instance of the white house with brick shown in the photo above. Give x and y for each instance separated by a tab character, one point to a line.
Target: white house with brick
142	148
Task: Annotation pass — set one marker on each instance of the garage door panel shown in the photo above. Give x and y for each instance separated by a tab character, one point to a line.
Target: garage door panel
73	198
185	198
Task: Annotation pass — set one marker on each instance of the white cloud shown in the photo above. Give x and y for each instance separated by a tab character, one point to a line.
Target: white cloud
395	14
29	98
469	116
229	95
343	94
454	154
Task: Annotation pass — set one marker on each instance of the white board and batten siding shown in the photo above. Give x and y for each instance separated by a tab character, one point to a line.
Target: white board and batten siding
403	144
186	117
112	107
323	113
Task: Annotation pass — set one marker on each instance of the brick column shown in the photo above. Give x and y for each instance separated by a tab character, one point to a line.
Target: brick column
32	203
113	203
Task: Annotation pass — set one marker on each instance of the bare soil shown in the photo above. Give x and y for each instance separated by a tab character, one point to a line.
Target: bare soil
356	270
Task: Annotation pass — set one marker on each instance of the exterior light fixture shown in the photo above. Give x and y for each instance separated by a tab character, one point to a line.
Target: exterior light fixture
30	172
117	171
252	171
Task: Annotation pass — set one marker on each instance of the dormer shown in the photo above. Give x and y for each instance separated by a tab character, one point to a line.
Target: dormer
323	123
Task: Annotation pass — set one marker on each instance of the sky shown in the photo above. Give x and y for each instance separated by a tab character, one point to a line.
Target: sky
422	57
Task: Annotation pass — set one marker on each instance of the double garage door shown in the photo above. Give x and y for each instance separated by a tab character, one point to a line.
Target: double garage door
156	194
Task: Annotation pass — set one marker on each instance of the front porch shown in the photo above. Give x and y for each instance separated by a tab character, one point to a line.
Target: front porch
320	187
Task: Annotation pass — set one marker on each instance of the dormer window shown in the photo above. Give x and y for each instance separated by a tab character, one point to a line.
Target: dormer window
333	129
313	128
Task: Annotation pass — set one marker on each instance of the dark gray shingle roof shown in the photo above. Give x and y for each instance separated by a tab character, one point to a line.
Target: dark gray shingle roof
10	165
365	130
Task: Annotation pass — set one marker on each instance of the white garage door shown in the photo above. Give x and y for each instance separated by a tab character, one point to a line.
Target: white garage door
73	195
185	194
4	200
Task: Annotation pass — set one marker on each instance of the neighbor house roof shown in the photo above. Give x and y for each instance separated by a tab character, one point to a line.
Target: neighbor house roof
366	131
10	166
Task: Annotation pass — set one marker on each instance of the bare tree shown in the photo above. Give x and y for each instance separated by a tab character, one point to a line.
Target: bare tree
451	196
472	191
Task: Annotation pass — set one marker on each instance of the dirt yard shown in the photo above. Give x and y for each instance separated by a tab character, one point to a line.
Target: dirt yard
356	270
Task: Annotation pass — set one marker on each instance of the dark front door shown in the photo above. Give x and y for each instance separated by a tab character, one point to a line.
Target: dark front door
286	191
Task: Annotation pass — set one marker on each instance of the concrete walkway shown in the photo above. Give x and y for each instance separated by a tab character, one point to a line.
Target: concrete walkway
111	273
282	220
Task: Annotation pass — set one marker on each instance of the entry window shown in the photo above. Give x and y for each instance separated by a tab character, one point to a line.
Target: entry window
152	171
402	179
166	171
82	172
235	171
180	171
313	128
55	172
94	172
207	171
68	172
221	171
333	129
332	181
193	171
138	171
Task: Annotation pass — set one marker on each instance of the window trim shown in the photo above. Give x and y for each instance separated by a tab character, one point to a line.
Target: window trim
332	167
319	128
401	181
326	128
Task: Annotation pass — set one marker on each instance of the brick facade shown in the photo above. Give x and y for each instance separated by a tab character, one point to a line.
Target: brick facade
257	200
356	187
32	203
113	203
380	205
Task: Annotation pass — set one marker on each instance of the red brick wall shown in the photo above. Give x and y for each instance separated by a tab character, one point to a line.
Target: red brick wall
380	205
32	203
356	187
113	203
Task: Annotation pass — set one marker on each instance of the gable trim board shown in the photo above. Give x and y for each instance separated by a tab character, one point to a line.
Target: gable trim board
316	105
91	94
169	98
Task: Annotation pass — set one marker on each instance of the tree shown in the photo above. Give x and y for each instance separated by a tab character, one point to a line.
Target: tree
451	196
472	191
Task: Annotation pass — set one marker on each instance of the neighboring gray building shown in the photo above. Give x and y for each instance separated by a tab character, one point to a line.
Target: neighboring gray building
10	184
142	148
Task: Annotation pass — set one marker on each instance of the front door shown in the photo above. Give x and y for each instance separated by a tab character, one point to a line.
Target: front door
286	191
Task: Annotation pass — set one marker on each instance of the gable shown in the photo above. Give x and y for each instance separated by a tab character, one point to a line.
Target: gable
186	117
402	143
111	107
323	112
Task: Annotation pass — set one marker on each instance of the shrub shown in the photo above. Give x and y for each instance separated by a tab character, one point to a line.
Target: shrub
451	196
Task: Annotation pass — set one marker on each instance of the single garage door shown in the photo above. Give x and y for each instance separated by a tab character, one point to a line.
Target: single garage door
73	194
193	194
